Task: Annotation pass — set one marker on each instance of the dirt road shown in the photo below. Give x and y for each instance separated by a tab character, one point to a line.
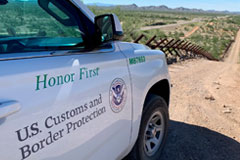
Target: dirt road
205	109
191	32
171	26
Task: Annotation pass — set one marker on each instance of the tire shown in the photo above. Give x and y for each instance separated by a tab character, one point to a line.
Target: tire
153	130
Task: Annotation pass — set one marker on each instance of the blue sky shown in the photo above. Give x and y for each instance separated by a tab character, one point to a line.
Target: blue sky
231	5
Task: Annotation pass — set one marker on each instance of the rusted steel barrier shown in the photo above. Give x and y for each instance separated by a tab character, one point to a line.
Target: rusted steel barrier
176	50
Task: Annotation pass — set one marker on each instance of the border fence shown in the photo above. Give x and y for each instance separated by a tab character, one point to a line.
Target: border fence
177	50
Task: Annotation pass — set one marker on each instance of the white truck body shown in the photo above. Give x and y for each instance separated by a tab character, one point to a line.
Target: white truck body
63	106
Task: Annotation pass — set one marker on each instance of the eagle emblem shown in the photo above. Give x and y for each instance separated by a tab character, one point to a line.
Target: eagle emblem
118	95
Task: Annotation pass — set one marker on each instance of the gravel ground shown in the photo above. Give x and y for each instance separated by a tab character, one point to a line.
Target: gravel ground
205	109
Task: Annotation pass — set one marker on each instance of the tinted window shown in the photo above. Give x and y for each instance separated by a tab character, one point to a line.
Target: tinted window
26	27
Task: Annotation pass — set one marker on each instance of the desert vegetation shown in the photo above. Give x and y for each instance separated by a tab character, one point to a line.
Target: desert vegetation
28	19
214	32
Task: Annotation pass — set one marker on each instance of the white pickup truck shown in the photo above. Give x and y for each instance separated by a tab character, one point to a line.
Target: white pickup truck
71	90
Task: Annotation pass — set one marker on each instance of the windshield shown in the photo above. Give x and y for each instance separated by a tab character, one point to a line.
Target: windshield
32	25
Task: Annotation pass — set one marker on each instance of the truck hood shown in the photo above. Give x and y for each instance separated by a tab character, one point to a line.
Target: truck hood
139	46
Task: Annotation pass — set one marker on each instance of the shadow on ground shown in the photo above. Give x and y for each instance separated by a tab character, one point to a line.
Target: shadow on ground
190	142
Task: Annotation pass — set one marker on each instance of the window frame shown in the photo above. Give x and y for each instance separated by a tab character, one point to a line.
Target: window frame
104	48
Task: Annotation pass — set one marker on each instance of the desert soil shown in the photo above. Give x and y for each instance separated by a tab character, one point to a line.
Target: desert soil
205	109
171	26
191	32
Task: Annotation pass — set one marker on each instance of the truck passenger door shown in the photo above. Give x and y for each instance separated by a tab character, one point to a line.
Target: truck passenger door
59	98
65	107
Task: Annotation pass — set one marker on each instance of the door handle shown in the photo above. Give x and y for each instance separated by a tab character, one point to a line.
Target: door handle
8	108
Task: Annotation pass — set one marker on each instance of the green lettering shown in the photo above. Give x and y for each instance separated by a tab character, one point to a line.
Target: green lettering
82	72
72	77
44	82
91	73
59	80
137	60
67	78
143	59
97	71
52	82
86	71
132	61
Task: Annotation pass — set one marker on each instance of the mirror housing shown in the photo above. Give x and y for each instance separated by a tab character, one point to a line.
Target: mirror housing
108	27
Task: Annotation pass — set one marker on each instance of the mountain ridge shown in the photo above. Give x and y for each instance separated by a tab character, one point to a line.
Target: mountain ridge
161	8
101	4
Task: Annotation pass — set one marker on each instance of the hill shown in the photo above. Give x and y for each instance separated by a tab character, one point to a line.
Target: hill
160	8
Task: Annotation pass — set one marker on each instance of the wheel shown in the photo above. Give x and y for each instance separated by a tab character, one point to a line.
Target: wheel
153	130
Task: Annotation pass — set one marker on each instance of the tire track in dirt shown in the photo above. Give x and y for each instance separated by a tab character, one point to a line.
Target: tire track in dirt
193	31
205	109
235	51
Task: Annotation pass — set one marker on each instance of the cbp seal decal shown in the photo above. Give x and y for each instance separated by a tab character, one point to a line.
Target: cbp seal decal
118	95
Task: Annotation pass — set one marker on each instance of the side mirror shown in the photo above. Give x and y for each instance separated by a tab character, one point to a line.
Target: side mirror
108	27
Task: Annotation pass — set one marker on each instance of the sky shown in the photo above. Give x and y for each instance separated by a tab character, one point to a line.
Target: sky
220	5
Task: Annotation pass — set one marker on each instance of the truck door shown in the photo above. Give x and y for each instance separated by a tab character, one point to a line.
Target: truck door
59	101
65	107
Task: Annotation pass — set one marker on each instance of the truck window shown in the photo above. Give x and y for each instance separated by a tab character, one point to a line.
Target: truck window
27	27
